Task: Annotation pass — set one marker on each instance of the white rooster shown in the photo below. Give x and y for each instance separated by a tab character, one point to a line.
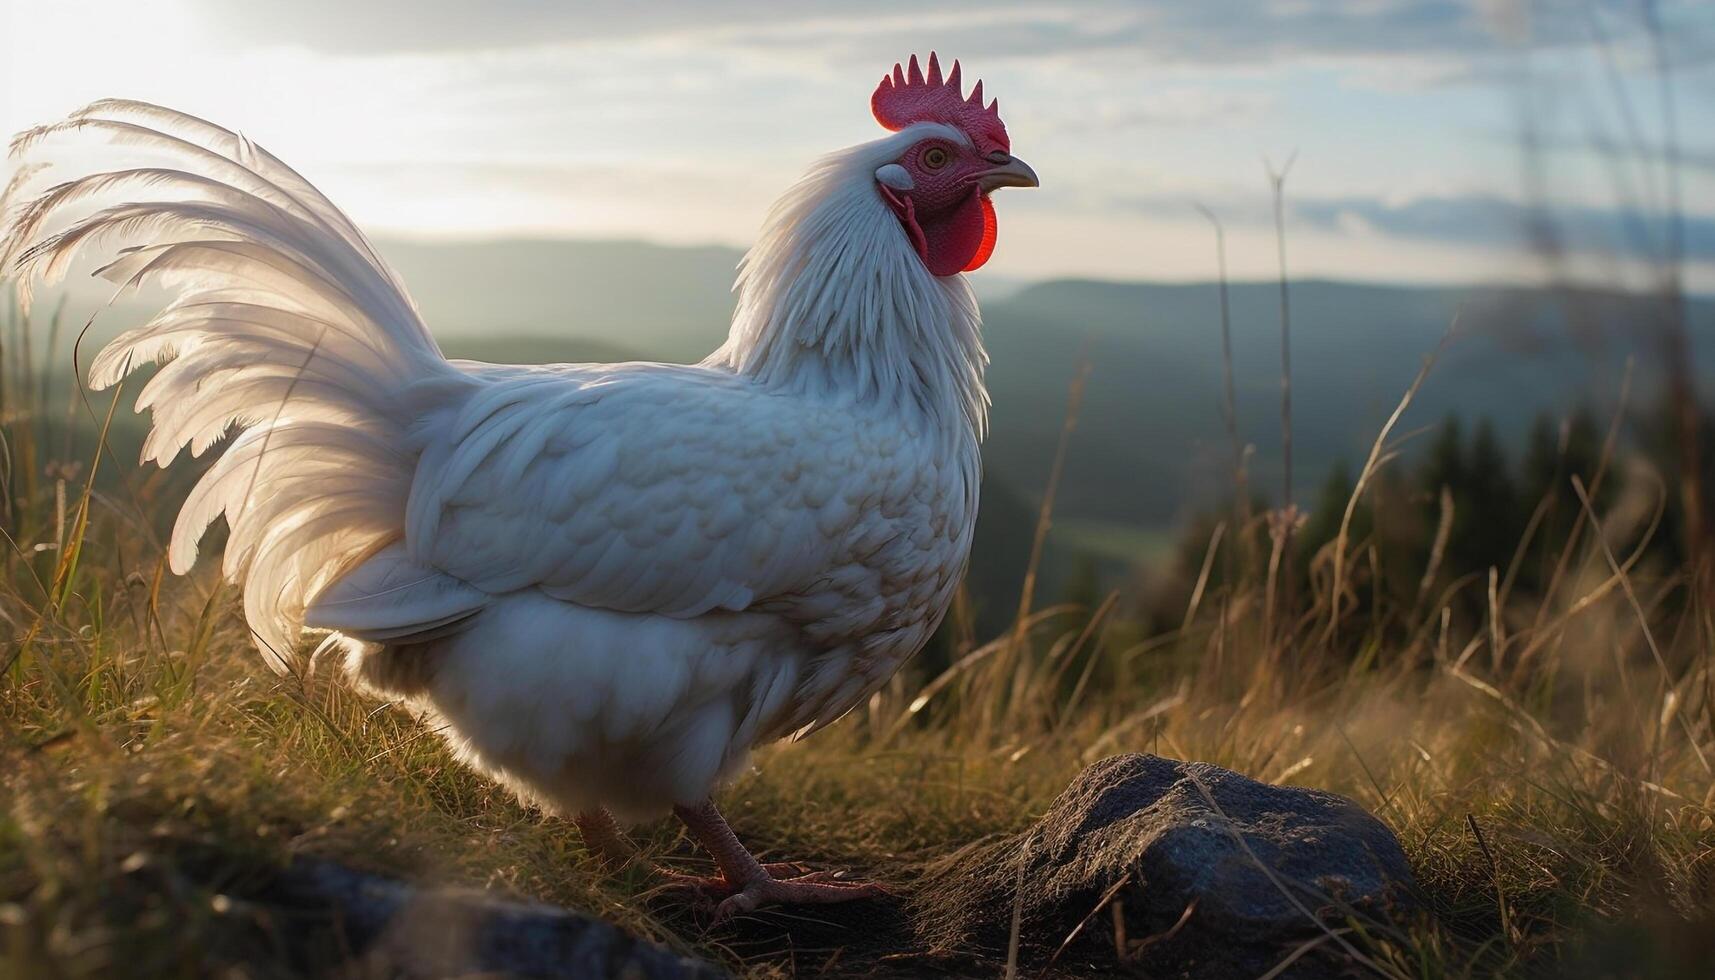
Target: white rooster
604	582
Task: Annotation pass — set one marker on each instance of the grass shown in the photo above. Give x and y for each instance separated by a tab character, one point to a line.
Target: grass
1546	765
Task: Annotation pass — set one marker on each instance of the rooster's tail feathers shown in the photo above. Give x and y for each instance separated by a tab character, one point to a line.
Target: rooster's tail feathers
284	322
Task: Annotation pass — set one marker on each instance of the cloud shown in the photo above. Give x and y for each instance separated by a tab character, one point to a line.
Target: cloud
1614	154
1487	220
1170	107
1209	32
1475	220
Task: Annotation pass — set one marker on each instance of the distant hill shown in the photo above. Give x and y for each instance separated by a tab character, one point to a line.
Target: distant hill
667	303
1151	442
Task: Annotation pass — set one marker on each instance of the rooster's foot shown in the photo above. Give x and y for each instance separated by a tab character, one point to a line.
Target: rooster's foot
717	886
779	884
816	888
745	884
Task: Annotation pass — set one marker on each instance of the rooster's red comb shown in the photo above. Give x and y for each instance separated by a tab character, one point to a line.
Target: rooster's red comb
906	97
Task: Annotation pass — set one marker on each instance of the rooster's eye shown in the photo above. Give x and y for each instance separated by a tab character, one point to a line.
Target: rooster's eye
934	158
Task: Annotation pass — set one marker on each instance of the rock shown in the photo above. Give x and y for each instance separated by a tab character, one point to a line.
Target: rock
390	928
1199	900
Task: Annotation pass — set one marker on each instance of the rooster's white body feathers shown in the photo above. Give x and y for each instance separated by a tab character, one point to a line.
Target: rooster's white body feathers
606	582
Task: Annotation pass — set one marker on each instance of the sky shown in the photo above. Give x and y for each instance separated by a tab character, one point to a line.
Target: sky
1405	122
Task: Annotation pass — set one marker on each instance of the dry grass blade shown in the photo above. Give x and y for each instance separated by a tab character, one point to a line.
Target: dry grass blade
1015	679
1542	636
1095	909
1625	581
1107	739
1301	950
1203	576
1229	400
1371	464
1284	530
1099	621
961	666
1016	930
1045	514
1495	874
1134	950
1570	548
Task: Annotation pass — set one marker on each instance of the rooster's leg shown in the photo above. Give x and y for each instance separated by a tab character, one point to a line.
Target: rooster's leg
603	838
749	884
609	845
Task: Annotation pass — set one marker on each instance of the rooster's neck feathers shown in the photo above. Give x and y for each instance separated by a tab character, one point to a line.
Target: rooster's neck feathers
832	299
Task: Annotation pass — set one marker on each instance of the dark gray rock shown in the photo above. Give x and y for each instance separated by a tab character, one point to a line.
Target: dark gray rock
1149	821
391	928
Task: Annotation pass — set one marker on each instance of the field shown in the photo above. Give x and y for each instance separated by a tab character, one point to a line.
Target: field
1544	756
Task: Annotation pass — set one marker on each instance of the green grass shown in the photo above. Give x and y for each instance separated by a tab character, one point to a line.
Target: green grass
154	770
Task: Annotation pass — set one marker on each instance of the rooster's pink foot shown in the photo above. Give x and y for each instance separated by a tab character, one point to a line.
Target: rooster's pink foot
717	886
779	884
816	888
745	884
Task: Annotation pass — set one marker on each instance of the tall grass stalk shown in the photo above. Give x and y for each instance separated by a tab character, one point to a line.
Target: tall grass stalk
1285	522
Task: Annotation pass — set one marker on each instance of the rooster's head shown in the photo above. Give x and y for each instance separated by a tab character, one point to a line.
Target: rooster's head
939	186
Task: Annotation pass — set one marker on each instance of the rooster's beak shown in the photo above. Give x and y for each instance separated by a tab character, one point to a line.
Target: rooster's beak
1011	172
